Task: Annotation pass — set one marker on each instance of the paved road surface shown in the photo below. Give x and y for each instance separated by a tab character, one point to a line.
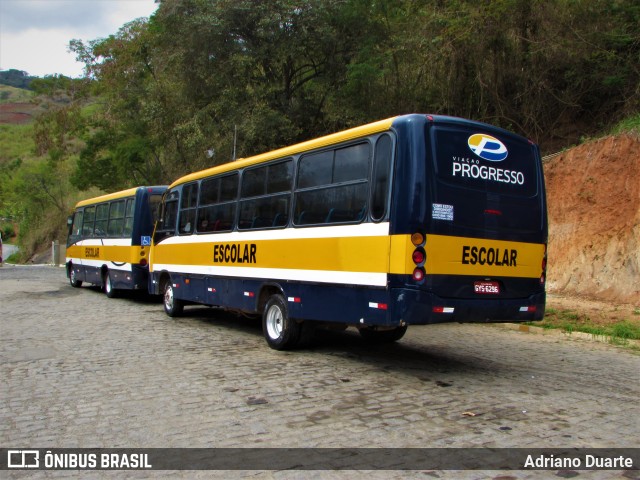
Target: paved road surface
81	370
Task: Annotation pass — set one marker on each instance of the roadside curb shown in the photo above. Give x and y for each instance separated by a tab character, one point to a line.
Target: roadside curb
555	332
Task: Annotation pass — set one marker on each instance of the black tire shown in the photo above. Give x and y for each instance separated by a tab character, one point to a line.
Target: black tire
108	285
73	279
383	336
280	331
172	306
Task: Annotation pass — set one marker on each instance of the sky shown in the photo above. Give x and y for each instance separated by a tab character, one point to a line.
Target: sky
35	34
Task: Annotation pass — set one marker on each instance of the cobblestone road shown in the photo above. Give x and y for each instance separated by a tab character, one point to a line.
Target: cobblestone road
81	370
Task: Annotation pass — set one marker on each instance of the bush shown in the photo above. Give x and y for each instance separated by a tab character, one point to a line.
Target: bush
7	232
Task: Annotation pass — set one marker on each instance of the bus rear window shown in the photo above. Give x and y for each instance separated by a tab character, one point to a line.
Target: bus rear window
493	163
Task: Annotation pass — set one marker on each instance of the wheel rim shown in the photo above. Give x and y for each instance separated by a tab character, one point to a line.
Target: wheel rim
168	297
107	284
73	275
275	322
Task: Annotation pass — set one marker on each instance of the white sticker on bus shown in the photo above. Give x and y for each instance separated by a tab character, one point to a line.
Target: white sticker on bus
442	212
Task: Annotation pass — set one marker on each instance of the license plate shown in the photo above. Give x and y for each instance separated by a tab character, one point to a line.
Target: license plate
486	288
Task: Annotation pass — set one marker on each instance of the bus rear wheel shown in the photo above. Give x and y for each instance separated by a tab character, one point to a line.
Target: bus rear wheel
280	331
172	306
383	336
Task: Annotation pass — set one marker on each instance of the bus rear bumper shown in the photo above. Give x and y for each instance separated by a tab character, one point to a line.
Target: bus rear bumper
416	307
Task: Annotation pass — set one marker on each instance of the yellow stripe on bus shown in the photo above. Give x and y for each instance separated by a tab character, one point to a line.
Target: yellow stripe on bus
349	254
449	255
108	253
446	255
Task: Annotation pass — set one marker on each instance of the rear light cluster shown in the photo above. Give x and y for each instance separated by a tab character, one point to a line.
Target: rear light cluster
143	261
419	256
543	277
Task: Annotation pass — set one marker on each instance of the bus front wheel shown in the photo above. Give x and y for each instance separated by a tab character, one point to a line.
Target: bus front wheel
108	285
172	306
73	277
280	331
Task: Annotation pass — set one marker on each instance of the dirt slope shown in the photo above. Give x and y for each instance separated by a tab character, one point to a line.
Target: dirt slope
17	113
593	196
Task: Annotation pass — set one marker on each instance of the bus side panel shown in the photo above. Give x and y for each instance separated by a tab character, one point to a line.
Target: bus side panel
189	287
133	279
347	304
318	302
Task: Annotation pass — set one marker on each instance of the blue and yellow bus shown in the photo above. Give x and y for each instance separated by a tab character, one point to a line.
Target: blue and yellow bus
416	219
110	237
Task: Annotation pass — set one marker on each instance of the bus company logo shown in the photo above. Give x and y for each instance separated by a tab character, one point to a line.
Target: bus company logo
23	458
487	147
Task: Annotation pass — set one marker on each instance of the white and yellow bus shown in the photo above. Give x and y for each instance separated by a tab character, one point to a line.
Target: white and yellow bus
110	237
416	219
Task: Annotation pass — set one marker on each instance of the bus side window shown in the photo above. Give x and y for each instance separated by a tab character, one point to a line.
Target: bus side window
168	216
333	186
217	210
116	219
155	207
87	225
102	217
188	205
380	180
265	194
128	217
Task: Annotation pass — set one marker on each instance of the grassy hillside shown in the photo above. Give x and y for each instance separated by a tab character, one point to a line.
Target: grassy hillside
16	141
14	95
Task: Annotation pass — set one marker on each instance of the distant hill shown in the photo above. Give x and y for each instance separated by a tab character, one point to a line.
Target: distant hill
15	78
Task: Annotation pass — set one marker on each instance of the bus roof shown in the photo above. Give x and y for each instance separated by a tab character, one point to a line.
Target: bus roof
346	135
130	192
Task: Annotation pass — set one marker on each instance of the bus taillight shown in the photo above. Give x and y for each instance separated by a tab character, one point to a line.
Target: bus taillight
417	239
418	274
143	262
419	256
